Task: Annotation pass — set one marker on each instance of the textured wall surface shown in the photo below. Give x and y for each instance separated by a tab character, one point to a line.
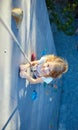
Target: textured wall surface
67	47
18	110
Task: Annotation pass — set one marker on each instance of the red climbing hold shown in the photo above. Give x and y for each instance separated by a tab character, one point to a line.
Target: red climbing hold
33	56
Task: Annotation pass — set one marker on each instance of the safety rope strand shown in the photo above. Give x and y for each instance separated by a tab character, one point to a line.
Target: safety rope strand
15	39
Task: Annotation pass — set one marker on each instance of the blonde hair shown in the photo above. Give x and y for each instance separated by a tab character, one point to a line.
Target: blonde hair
60	66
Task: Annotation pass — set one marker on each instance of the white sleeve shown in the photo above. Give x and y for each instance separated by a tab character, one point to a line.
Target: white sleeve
42	60
47	80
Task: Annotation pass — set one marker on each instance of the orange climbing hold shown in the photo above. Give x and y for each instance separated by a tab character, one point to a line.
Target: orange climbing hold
17	13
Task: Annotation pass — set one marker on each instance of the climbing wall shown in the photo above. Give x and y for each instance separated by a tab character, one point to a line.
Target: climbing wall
26	106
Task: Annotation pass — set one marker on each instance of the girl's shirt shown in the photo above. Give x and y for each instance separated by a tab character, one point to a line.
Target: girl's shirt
38	73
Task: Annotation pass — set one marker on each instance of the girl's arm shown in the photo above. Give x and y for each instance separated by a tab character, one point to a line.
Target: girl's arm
30	79
34	62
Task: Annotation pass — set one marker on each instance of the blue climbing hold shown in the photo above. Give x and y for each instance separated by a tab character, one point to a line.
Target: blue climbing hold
34	95
44	84
44	52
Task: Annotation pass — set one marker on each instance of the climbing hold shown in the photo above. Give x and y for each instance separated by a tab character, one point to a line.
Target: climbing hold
50	126
55	86
44	52
33	56
5	51
50	99
47	92
17	13
34	95
44	84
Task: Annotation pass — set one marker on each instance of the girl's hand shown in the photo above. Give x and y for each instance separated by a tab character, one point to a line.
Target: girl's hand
24	67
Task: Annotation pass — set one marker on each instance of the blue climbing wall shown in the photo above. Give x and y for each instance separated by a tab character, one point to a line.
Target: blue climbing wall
24	106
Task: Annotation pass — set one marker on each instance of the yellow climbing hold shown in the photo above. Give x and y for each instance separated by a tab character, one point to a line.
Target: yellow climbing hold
17	13
47	92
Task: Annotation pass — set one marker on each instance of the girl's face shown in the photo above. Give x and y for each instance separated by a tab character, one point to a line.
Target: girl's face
47	68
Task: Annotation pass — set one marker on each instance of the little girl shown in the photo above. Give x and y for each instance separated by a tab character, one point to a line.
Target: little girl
46	69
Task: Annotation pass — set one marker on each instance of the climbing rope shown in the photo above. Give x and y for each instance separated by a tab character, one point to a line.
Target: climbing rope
15	39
